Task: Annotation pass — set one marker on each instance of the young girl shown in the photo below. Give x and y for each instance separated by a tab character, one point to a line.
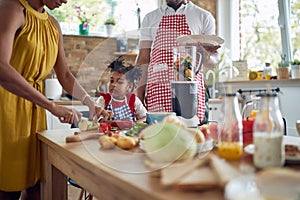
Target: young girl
120	98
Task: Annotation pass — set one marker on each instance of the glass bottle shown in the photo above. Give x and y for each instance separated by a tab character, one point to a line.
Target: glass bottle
267	71
231	128
268	131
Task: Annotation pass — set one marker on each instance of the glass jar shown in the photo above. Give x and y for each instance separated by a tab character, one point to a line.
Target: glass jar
268	132
230	144
267	71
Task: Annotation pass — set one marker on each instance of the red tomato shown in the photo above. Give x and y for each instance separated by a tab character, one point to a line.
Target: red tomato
104	127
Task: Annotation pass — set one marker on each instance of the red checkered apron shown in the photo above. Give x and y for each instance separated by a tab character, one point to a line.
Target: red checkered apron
161	72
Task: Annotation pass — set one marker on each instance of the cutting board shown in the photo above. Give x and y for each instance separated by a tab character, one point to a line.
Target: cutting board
199	174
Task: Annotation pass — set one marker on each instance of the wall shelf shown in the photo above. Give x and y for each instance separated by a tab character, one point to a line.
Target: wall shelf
125	54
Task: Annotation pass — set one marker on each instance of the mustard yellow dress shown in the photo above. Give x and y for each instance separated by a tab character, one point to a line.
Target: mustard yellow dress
34	54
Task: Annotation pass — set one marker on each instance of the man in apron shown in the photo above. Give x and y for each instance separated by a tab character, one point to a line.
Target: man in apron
159	31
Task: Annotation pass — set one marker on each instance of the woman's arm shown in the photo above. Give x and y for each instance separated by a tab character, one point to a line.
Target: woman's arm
71	85
12	20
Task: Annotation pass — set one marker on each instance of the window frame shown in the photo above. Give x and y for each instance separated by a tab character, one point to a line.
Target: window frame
228	27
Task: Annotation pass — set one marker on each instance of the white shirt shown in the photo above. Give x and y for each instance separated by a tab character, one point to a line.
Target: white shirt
199	20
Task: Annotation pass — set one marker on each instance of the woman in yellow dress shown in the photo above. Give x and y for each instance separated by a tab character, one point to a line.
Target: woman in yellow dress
30	47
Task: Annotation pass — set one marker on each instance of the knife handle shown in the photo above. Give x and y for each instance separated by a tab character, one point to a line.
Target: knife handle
83	136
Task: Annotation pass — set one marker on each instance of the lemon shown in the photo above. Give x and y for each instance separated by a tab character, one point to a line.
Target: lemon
252	75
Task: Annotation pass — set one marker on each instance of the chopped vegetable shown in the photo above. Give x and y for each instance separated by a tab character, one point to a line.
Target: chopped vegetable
134	131
105	127
126	142
106	142
86	125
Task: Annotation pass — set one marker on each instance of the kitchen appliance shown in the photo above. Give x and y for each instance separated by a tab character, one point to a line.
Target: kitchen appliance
184	88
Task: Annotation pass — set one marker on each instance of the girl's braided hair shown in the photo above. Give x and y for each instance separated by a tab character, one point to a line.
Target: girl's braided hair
132	73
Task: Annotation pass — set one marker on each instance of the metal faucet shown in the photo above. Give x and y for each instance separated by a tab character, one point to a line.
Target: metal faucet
213	89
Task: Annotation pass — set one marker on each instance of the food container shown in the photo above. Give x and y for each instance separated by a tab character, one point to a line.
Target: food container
53	89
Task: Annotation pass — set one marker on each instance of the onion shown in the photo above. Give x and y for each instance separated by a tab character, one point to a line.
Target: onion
168	142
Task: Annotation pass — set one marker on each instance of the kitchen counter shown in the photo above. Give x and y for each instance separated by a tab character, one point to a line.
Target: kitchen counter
109	174
116	174
273	82
289	96
67	102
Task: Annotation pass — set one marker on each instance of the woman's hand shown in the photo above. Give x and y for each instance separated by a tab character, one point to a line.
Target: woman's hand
96	111
66	115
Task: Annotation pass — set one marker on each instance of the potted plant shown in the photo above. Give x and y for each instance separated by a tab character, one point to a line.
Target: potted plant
283	70
109	24
295	69
84	18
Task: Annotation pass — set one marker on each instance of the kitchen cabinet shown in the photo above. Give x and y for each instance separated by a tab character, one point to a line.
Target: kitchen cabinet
53	122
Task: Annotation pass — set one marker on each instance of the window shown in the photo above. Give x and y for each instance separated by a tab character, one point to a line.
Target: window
125	12
295	28
260	31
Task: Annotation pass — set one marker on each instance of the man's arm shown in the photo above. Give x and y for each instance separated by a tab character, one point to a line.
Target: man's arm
143	60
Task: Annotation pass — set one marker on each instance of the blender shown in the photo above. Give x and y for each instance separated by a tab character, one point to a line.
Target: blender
184	87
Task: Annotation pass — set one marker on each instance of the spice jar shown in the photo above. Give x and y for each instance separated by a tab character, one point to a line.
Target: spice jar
268	131
231	128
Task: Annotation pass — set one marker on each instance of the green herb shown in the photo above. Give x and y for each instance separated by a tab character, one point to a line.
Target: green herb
135	129
283	62
295	62
110	21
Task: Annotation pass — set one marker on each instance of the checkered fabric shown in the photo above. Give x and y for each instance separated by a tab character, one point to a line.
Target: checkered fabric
158	92
121	112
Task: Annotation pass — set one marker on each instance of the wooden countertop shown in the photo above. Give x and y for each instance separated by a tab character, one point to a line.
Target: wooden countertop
116	174
67	102
109	174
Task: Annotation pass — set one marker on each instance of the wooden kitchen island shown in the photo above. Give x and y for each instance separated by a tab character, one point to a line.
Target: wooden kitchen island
110	174
116	174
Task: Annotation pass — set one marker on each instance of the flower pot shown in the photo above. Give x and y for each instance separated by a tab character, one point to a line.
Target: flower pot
84	29
109	29
295	71
283	73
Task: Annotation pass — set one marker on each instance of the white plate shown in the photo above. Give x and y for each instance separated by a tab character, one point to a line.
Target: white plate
193	39
287	140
